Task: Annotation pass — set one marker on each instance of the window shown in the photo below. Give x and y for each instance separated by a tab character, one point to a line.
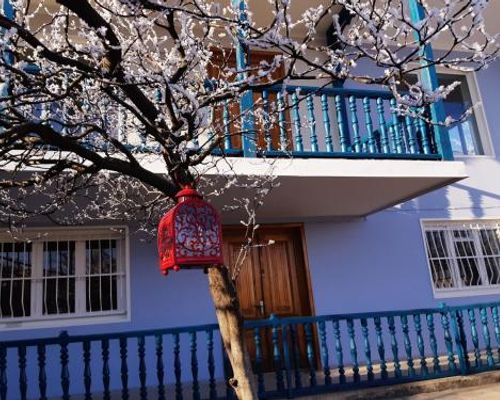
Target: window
464	257
60	275
464	135
469	137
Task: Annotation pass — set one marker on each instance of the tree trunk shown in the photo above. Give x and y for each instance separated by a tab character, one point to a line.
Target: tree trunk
228	312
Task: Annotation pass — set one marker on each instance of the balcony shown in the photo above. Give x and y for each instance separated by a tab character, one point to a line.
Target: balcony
338	153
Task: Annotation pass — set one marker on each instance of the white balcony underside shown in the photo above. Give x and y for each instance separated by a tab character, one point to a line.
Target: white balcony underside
335	188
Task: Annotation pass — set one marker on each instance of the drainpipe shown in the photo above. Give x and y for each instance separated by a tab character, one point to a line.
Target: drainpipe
246	101
430	82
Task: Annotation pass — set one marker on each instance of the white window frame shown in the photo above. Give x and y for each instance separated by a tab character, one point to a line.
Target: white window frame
462	291
77	234
479	114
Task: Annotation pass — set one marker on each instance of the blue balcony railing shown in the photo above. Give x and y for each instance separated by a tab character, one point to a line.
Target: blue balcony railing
291	356
297	121
305	121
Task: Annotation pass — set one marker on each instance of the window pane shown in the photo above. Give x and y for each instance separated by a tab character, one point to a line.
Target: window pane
490	246
464	135
439	259
493	270
58	277
103	275
465	251
15	279
469	272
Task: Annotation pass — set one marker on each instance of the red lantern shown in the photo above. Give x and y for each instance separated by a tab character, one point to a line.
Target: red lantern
190	234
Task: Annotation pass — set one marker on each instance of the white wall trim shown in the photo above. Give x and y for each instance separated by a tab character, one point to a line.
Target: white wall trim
464	291
479	113
37	235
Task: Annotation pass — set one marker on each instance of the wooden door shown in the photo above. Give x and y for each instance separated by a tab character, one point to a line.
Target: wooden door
272	280
225	60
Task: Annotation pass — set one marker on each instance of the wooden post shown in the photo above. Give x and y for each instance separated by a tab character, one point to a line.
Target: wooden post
230	320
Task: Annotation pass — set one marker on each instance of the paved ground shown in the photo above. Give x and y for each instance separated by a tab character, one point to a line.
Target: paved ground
483	386
484	392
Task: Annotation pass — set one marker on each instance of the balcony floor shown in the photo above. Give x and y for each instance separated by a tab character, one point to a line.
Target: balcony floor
333	188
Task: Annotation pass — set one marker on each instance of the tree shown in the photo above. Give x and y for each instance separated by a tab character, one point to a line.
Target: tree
93	91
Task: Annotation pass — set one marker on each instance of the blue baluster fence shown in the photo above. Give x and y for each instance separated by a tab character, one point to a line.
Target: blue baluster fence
331	122
294	121
291	356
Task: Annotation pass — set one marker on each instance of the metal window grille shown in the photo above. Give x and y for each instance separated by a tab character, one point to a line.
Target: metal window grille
15	279
463	255
61	277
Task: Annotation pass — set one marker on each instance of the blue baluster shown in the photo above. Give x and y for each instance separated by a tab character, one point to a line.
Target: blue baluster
296	356
394	346
356	138
310	354
486	336
496	327
423	136
312	123
372	144
266	121
160	369
282	122
212	122
474	336
211	365
460	340
326	123
23	379
124	368
416	132
384	138
396	128
324	353
380	347
141	351
105	367
338	351
177	367
297	126
227	126
392	138
433	343
64	357
3	373
286	356
258	361
412	141
87	374
194	367
448	341
420	344
407	342
280	384
343	131
42	375
368	352
353	349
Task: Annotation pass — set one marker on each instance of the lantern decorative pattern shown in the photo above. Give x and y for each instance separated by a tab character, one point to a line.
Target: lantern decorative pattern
190	234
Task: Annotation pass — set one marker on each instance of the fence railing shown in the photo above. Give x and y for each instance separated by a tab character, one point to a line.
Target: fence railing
306	121
291	356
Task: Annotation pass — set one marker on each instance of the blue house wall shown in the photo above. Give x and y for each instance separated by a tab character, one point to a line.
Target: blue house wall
371	264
